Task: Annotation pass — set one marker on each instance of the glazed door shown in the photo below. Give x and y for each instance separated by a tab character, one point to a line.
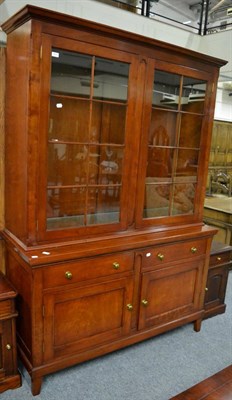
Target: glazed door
88	95
174	138
170	293
84	317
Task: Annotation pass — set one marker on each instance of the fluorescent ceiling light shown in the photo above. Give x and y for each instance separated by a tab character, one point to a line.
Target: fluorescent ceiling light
55	54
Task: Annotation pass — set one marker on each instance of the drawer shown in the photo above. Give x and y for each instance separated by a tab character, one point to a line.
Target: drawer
163	254
91	268
6	308
220	258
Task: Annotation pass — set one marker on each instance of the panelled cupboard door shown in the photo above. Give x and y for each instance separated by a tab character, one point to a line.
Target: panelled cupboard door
216	286
170	293
82	318
88	96
175	132
7	364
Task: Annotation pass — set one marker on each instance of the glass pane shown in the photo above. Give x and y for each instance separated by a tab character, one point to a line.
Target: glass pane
157	199
190	131
187	163
110	80
159	162
183	199
166	90
68	119
67	164
105	165
71	73
103	205
66	202
163	128
108	123
193	95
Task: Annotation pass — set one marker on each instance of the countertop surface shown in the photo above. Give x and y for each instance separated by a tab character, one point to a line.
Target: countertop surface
219	202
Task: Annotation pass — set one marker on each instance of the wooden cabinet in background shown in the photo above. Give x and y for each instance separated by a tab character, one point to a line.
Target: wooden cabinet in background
9	375
219	266
107	143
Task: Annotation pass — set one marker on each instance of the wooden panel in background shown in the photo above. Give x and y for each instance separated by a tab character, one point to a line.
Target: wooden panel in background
2	129
2	135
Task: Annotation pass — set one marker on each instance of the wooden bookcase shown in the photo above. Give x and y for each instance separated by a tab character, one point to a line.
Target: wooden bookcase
107	145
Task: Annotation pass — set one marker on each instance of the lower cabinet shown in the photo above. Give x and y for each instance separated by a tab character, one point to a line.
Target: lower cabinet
74	310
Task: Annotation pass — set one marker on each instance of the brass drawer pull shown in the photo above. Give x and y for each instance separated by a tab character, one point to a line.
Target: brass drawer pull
8	346
219	258
129	307
160	256
193	250
206	289
144	303
68	275
116	265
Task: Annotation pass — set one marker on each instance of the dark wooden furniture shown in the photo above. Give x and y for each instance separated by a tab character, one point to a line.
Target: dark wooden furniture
108	136
9	375
220	263
217	387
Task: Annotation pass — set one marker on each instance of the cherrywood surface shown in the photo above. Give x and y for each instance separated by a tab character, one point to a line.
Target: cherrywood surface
88	288
216	387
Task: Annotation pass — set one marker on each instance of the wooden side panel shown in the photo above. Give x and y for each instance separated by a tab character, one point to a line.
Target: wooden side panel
21	281
16	130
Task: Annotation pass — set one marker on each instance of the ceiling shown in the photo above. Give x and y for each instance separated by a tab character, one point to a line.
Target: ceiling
188	11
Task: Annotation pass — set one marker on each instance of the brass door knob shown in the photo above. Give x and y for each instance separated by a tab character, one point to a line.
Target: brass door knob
206	289
68	275
144	303
129	307
8	346
116	265
160	256
193	250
